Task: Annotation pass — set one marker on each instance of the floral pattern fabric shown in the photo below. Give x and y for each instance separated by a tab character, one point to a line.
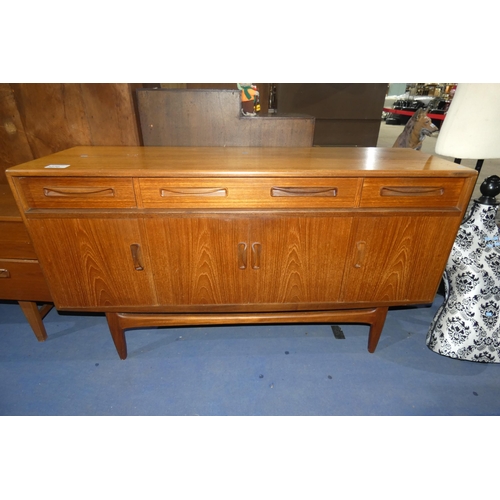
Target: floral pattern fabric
467	325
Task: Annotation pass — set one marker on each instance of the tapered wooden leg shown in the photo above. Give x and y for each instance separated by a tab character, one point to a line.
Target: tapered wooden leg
376	326
35	317
117	334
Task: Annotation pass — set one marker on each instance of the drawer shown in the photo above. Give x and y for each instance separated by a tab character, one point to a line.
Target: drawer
250	193
22	280
77	192
412	192
15	242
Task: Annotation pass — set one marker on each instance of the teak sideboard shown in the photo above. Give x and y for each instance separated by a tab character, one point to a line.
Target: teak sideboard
157	236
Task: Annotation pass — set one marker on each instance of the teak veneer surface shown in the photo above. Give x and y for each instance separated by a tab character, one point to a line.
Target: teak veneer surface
240	161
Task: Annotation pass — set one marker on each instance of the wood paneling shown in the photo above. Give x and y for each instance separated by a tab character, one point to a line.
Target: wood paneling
347	114
183	117
41	119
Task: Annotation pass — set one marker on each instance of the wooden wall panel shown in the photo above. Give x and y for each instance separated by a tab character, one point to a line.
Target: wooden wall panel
110	114
197	117
41	119
347	113
14	146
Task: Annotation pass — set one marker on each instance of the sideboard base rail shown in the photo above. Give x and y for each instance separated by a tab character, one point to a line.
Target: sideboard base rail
119	322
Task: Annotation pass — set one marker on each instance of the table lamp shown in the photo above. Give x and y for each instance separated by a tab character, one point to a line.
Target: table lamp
471	129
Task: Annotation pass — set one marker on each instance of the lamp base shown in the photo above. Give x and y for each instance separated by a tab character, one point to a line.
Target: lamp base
467	325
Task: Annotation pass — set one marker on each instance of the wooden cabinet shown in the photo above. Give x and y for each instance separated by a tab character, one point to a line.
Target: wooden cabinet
21	277
184	236
235	263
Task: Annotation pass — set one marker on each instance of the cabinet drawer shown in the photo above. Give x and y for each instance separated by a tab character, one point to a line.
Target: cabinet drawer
15	242
77	192
22	280
250	193
412	192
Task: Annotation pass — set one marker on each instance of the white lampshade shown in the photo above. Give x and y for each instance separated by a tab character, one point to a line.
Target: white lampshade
471	128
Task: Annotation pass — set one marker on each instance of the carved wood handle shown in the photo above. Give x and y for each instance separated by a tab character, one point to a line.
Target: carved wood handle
360	247
135	250
304	191
194	191
78	191
411	191
256	251
242	255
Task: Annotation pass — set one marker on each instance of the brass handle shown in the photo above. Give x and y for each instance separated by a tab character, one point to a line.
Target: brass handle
256	251
166	192
360	247
135	250
411	191
242	255
78	191
4	273
304	191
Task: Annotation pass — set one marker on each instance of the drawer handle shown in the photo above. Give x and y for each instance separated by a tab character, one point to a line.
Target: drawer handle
411	191
135	249
256	251
304	191
165	192
78	191
242	255
4	273
360	257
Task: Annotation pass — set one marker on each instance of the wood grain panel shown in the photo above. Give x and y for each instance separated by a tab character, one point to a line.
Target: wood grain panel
22	280
53	116
212	118
249	193
38	119
15	242
195	260
300	258
14	145
407	192
109	109
406	265
75	192
91	266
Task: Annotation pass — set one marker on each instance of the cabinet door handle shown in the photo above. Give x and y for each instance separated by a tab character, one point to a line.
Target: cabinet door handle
304	191
242	255
256	251
411	191
360	257
4	273
194	191
135	249
78	191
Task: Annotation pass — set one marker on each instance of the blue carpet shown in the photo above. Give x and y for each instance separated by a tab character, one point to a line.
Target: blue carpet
246	370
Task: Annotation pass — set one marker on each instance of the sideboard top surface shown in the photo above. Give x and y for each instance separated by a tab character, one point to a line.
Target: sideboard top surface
240	162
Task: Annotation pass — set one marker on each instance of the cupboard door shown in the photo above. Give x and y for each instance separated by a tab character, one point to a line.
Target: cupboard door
300	260
198	260
282	262
94	263
397	259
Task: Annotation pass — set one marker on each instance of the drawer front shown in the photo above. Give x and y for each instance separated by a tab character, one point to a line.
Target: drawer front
15	242
77	192
412	192
250	193
22	280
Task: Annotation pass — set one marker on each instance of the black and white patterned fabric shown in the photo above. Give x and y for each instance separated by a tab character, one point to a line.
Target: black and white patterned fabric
467	325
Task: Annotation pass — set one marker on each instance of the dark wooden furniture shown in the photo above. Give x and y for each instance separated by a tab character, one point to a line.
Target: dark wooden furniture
181	236
347	114
21	278
209	117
